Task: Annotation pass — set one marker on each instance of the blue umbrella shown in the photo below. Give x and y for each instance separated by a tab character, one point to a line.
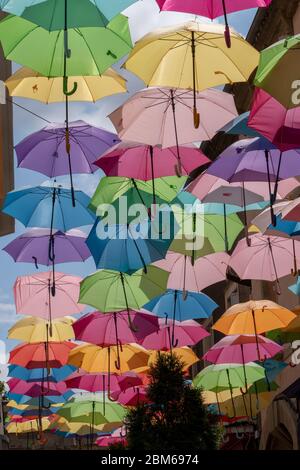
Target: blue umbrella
289	227
32	412
182	305
126	248
295	288
48	401
49	207
273	368
17	7
37	375
239	126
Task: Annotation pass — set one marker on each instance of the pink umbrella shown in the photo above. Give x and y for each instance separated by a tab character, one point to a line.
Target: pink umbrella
107	329
100	382
187	333
267	258
159	116
145	162
195	277
271	119
240	349
133	396
212	8
36	389
33	295
116	437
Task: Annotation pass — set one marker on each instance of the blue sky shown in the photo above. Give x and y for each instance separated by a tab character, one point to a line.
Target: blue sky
144	17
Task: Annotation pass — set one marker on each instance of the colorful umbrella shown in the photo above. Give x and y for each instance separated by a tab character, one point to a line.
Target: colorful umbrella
212	9
187	333
28	44
117	437
26	83
99	382
266	258
128	247
33	295
277	71
271	119
36	330
133	396
37	355
37	375
122	291
158	116
28	426
187	276
145	162
49	207
17	8
185	355
191	56
36	389
239	126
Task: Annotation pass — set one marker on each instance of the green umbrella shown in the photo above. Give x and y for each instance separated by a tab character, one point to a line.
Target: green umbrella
278	71
203	233
112	291
94	50
92	411
111	188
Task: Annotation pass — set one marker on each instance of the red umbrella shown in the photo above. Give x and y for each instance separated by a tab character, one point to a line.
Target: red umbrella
40	355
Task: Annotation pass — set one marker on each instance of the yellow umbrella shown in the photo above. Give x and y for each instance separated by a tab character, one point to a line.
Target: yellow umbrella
185	354
36	330
27	83
247	405
81	429
210	397
192	56
28	426
94	359
253	317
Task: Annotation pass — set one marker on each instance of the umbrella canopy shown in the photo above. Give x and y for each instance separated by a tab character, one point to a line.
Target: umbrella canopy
28	426
38	355
240	349
182	305
159	116
28	44
191	56
17	8
247	405
267	258
36	389
36	330
271	119
89	409
33	297
49	207
226	376
116	437
210	8
127	247
59	14
185	355
277	71
27	83
100	382
94	359
253	317
33	247
187	276
38	375
187	333
239	126
145	162
111	328
133	396
86	143
122	291
289	210
71	429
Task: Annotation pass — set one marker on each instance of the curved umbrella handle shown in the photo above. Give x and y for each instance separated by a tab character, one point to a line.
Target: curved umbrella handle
35	262
244	392
65	87
196	118
227	36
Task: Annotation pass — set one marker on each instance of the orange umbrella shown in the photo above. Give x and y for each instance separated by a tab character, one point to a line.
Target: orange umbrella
185	354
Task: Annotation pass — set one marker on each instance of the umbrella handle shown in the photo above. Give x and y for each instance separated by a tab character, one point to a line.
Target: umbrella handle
65	87
227	36
196	118
244	392
35	262
178	169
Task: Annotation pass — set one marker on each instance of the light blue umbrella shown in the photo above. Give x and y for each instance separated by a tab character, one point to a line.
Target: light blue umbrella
181	305
126	248
32	412
49	207
288	227
37	375
273	368
47	401
17	6
239	126
295	288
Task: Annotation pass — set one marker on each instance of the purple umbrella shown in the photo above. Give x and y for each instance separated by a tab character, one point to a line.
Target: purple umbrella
48	150
41	246
256	160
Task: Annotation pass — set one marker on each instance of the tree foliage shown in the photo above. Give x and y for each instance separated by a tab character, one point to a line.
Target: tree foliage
176	418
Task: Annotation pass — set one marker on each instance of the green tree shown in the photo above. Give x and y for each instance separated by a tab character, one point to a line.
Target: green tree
176	418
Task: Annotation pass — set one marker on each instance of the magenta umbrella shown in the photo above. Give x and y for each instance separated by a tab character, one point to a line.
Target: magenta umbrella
187	333
145	162
100	382
188	276
116	437
36	389
159	116
267	258
133	396
212	8
271	119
